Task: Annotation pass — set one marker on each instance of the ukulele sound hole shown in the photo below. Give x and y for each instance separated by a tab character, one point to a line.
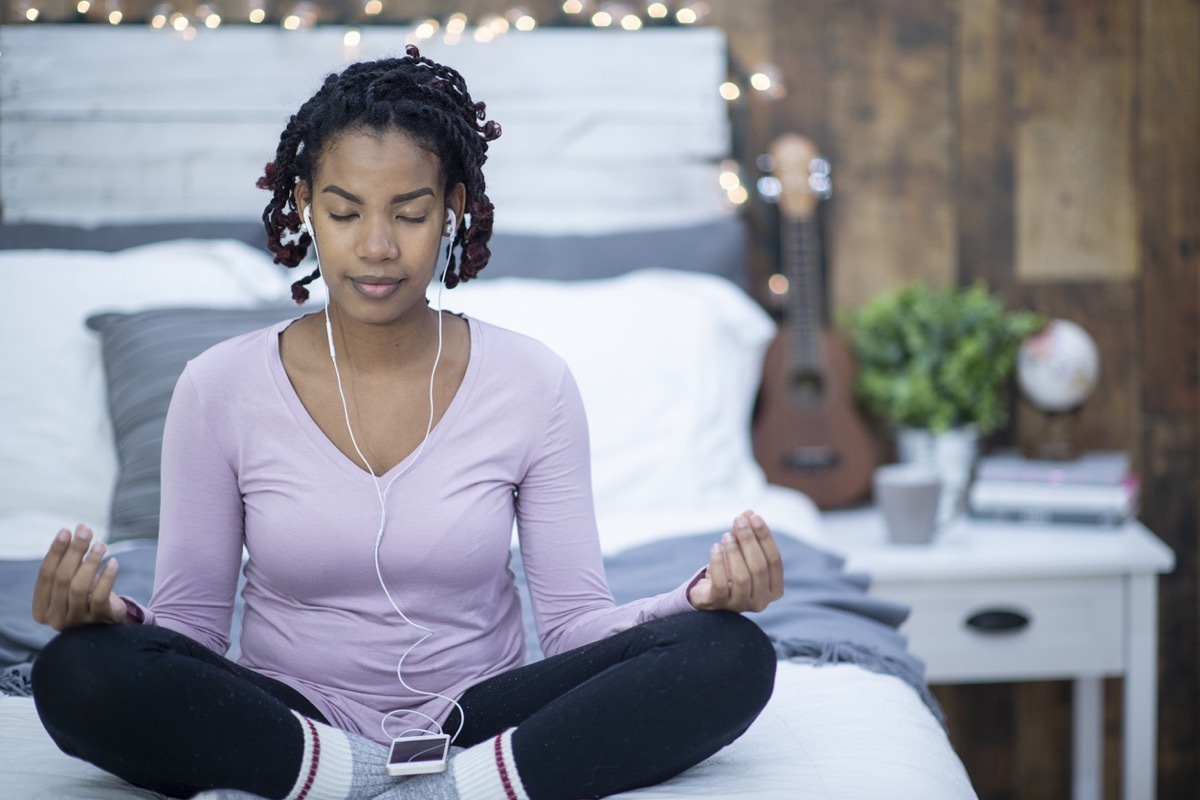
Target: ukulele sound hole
811	459
807	388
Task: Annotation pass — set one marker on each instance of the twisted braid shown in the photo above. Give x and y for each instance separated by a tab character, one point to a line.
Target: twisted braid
426	100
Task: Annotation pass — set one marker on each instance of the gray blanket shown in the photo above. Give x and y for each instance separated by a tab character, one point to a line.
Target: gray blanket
825	614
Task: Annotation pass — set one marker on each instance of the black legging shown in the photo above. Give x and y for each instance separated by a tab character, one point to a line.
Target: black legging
163	712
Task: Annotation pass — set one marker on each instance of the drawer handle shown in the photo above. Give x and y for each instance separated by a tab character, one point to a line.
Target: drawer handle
998	620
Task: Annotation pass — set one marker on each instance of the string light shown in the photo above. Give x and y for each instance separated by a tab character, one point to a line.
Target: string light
427	29
730	91
630	15
351	39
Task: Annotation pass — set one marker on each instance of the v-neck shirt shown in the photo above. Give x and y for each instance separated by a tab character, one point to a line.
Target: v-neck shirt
245	465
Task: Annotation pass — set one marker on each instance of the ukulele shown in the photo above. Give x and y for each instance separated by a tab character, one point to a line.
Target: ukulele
808	434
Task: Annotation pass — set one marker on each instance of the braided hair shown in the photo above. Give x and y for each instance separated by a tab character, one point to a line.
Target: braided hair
426	100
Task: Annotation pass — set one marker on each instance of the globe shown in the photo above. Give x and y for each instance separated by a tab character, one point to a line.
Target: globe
1058	366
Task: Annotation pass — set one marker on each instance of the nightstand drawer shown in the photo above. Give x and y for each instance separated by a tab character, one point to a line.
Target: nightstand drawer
1014	629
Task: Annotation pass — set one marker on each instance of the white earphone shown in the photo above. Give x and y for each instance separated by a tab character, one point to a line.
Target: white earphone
382	491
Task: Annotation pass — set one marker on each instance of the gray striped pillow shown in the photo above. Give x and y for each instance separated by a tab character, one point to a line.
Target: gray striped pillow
144	354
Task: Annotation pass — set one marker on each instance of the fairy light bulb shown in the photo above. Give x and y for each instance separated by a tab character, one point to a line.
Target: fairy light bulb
373	8
657	10
730	91
521	19
427	29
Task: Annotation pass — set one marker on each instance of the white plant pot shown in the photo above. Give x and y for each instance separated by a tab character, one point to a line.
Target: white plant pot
950	453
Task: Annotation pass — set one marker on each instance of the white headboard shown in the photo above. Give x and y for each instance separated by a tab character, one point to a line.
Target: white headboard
603	130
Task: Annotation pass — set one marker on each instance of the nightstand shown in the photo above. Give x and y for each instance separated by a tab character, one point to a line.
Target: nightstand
1003	601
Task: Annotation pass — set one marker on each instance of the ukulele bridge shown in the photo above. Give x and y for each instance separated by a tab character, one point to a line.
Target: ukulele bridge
812	458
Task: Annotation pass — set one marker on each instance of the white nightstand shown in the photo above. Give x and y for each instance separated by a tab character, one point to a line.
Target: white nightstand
1048	602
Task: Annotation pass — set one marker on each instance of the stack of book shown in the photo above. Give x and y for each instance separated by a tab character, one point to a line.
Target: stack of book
1097	488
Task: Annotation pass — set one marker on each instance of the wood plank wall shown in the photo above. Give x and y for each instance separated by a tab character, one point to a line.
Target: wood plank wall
1052	149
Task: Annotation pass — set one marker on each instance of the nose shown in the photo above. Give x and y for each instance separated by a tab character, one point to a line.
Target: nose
377	241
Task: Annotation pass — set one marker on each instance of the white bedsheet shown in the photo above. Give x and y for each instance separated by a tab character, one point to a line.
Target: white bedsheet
835	732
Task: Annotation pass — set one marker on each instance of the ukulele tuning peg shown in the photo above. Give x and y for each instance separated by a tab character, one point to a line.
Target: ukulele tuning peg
769	188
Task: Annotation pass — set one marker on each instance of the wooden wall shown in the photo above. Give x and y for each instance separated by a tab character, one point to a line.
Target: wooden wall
1052	149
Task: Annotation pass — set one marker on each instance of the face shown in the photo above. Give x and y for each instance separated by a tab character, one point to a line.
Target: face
379	214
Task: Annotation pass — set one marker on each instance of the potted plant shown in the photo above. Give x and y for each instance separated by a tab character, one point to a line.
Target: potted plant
936	365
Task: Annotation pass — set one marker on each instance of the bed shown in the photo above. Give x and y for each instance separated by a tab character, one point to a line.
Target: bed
104	316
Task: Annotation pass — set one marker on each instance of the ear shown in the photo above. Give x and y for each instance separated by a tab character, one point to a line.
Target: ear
456	199
301	196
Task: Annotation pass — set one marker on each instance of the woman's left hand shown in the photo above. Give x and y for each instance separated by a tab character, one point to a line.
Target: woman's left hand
745	570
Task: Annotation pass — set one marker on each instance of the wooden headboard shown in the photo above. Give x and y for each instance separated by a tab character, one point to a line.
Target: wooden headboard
603	130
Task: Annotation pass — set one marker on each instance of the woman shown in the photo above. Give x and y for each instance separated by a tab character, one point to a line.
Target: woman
371	458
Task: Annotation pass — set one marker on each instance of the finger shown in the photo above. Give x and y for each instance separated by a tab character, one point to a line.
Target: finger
82	583
718	576
770	549
59	608
43	587
80	543
741	582
99	601
756	564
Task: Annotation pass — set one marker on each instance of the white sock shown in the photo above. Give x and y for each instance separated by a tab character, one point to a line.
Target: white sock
486	771
338	765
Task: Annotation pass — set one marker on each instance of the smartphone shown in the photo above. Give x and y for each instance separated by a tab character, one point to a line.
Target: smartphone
417	755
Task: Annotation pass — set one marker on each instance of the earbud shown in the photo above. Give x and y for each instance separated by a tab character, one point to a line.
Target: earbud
451	221
306	225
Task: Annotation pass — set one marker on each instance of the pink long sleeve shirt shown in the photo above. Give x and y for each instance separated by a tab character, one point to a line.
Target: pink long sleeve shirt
244	464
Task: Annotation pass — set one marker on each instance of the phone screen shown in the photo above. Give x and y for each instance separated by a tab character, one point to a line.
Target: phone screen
418	754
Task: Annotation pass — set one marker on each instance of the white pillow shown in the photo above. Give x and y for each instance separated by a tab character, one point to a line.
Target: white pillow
57	459
668	363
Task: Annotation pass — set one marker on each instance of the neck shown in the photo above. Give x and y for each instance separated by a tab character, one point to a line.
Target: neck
383	348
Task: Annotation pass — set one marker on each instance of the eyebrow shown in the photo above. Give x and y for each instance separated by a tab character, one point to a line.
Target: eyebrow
399	198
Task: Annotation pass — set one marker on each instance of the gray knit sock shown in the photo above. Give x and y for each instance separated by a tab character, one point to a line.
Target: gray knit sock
483	772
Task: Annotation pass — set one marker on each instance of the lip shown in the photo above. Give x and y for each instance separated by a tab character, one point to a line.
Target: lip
376	288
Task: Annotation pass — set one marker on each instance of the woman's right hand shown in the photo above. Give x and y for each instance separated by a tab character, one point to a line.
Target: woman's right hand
72	589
